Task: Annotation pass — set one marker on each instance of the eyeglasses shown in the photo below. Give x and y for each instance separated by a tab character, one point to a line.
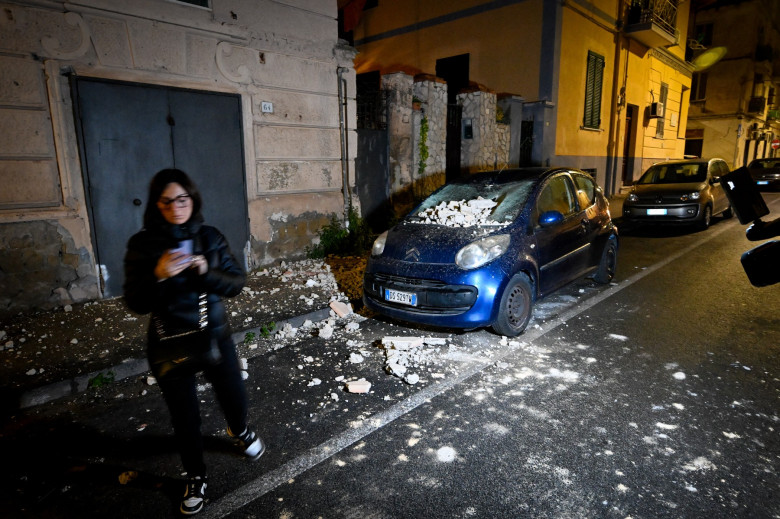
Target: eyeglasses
179	201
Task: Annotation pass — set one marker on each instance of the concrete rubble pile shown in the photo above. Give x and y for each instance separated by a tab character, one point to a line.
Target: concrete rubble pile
459	213
408	353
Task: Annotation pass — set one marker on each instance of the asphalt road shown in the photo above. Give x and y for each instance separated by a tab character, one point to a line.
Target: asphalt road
655	396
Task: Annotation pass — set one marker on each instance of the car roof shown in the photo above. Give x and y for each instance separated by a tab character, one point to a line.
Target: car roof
686	161
512	175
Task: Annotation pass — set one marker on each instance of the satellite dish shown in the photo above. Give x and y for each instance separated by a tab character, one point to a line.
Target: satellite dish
708	58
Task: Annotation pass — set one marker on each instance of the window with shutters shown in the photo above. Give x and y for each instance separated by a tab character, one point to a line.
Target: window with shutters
593	83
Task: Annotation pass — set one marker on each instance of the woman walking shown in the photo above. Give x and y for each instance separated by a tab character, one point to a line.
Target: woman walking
179	269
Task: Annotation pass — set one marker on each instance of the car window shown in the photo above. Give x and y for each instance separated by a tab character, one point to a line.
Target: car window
764	164
556	196
674	173
718	169
586	190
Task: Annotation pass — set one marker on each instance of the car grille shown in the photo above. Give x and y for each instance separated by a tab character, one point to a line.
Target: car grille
432	296
659	199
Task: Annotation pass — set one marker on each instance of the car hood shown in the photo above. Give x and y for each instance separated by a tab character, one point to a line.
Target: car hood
424	243
664	189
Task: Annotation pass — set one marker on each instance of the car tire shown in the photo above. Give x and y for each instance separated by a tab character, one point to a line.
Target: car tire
706	218
515	307
608	263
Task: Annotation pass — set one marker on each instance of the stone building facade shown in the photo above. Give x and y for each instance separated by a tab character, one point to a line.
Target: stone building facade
417	133
282	58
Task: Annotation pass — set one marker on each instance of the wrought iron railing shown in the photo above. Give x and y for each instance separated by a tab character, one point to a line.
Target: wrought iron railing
660	12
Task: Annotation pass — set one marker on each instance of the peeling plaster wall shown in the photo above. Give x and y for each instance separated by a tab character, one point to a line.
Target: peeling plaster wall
282	55
41	264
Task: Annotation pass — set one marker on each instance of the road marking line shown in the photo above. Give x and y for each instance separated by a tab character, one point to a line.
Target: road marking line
269	481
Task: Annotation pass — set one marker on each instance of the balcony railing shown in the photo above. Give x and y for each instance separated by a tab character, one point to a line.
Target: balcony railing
653	16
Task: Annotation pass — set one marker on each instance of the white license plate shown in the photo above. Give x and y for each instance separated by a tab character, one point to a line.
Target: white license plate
404	298
763	182
656	212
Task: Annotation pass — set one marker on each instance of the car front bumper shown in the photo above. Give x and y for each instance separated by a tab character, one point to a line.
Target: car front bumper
767	181
444	296
662	213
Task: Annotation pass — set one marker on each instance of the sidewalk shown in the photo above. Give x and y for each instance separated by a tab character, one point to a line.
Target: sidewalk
49	355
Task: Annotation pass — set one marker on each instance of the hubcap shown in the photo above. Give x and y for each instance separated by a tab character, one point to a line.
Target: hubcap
517	306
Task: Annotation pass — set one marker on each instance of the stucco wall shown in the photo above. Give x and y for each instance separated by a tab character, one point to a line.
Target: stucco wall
282	52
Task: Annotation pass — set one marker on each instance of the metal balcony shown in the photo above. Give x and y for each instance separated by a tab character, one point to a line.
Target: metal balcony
653	22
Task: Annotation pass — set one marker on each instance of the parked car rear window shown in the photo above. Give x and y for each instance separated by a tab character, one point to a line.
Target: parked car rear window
765	164
674	174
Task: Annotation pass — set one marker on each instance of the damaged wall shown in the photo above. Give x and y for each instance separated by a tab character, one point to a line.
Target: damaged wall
411	177
285	61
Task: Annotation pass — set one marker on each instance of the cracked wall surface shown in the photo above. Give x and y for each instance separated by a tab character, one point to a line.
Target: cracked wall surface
285	61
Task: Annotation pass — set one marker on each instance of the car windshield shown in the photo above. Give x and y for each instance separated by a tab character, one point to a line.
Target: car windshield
674	174
474	204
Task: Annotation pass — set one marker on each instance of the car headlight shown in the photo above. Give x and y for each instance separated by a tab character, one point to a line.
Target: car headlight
478	253
379	244
690	196
633	198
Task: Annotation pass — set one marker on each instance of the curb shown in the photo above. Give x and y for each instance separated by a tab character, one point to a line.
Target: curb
133	367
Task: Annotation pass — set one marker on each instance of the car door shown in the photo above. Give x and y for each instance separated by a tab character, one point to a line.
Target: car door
562	247
720	201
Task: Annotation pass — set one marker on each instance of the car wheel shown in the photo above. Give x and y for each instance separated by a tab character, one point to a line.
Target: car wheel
515	308
728	213
706	218
608	263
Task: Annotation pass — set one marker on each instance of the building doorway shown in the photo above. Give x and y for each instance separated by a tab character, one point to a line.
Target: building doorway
128	132
455	71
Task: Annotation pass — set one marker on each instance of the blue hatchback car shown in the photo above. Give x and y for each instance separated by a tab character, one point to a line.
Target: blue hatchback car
480	251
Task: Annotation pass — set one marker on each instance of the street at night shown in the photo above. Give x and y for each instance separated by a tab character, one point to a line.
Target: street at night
654	396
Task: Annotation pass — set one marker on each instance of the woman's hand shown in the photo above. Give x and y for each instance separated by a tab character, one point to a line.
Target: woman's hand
172	263
199	262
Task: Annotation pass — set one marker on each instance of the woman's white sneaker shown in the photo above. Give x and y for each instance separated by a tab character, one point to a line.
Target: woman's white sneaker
249	442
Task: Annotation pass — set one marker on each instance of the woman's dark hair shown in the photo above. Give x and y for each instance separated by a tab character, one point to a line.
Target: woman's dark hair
152	216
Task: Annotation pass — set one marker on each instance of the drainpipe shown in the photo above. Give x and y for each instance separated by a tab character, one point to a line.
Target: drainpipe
616	106
344	142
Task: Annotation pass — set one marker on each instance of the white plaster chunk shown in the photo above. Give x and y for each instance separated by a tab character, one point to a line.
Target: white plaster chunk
358	386
326	332
402	343
341	309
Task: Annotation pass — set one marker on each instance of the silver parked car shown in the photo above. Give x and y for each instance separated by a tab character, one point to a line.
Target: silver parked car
684	192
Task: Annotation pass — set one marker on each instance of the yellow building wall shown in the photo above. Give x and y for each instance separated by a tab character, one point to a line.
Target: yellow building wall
504	49
580	35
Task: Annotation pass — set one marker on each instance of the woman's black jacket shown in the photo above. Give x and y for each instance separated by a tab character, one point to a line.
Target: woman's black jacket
175	300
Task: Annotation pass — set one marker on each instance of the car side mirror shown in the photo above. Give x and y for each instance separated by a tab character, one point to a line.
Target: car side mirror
549	218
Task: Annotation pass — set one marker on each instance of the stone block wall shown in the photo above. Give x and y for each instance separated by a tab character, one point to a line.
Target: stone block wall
490	143
430	173
284	53
411	178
